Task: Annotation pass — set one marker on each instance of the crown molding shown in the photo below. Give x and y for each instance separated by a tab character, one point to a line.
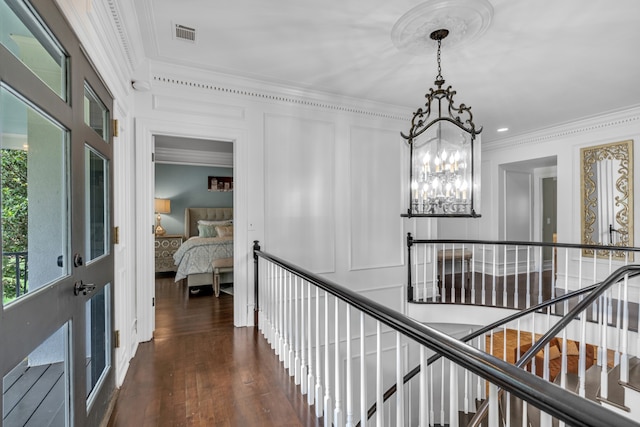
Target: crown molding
582	126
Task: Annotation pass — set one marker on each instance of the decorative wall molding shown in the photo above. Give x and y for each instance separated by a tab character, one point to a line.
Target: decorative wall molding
183	105
276	97
562	131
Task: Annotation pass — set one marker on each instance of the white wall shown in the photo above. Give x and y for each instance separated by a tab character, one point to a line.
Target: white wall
319	180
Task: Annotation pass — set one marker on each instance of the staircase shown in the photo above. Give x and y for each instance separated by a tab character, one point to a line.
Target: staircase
622	397
346	351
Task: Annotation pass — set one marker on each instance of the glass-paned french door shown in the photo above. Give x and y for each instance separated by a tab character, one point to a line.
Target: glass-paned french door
56	204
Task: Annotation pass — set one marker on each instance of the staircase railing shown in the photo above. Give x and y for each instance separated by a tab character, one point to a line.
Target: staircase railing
313	323
487	329
577	312
511	274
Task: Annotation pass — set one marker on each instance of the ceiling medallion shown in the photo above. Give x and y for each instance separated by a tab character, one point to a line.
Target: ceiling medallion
466	20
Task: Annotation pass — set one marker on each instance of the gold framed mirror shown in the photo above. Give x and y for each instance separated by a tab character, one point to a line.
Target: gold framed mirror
607	197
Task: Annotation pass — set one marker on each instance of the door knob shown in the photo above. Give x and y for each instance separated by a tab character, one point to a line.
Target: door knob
77	260
81	287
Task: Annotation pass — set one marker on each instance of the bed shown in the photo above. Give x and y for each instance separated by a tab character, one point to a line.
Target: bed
203	250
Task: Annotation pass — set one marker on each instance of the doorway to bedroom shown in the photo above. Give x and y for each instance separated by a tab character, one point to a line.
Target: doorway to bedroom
193	204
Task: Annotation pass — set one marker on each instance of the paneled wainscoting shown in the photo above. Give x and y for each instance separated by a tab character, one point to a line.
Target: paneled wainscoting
202	371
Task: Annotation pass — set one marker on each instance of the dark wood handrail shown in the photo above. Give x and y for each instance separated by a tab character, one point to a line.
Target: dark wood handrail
412	241
549	398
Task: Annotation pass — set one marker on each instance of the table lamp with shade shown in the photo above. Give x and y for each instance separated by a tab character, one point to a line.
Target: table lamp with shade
162	206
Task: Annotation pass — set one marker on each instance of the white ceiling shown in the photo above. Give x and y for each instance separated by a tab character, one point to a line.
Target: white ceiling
539	63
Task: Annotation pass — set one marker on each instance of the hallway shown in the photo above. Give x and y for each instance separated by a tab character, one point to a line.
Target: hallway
202	371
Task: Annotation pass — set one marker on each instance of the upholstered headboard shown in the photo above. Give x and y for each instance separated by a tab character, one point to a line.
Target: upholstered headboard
193	215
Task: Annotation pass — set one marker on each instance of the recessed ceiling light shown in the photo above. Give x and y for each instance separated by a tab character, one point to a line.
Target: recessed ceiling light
502	129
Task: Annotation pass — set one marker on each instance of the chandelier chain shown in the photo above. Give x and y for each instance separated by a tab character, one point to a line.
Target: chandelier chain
439	76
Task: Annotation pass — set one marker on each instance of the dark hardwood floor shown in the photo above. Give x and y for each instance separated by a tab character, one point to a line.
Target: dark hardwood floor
202	371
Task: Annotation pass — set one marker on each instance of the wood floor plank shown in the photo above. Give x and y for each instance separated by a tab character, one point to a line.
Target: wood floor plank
202	371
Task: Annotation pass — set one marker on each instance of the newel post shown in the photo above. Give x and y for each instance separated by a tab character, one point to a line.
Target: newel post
256	307
409	283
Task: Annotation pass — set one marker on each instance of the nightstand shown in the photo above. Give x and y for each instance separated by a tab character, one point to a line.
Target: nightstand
166	246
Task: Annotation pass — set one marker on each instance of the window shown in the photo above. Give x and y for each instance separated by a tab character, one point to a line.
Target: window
26	37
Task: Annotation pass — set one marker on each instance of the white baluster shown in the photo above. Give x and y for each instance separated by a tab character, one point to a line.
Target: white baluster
271	331
467	391
453	272
540	276
581	358
327	369
517	283
493	419
304	371
416	278
484	276
273	318
434	282
563	369
624	356
290	325
430	381
618	328
504	342
507	409
399	381
349	379
493	291
363	372
463	281
528	297
296	360
379	379
454	419
594	307
424	396
443	297
604	383
310	376
286	321
473	274
504	278
442	381
338	420
318	398
278	335
424	278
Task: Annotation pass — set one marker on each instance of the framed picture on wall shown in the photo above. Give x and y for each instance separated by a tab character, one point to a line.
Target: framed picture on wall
220	183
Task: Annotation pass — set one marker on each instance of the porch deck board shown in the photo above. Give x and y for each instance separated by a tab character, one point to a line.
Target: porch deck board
33	395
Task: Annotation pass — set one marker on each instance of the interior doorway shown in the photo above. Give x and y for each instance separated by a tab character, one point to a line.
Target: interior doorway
184	171
528	202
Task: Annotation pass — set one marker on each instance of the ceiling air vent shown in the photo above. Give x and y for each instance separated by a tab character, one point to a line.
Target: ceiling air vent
185	33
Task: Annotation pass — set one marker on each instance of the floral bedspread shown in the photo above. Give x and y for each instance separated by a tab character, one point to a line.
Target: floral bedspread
196	255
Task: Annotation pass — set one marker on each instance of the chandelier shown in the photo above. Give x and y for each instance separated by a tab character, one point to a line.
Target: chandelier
445	154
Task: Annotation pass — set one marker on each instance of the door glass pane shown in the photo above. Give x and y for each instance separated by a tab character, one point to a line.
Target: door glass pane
98	341
35	392
97	169
96	114
24	35
34	198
